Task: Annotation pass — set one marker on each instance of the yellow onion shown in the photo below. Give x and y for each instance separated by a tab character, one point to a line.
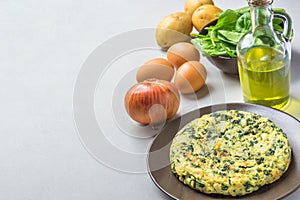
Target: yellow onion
152	101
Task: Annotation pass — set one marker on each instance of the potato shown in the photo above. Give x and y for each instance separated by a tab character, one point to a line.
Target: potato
173	28
191	5
204	15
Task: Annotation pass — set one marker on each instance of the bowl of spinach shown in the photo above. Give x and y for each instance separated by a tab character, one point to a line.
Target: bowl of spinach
218	40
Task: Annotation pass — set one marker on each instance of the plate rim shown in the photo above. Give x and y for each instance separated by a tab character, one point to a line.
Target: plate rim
224	105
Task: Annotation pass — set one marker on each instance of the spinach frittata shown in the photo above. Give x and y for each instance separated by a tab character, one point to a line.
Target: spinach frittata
229	152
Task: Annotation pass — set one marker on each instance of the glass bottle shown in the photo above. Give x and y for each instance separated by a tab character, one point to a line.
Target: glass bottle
264	57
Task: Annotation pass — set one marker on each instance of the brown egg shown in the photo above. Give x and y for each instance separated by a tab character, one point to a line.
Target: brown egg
158	68
190	77
182	52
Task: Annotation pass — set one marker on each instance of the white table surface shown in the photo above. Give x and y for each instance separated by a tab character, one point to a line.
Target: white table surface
43	45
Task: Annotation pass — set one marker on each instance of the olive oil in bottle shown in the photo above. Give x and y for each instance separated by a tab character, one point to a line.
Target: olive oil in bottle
265	77
264	57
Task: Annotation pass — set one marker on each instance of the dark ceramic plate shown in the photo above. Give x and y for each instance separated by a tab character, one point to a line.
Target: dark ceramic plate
159	165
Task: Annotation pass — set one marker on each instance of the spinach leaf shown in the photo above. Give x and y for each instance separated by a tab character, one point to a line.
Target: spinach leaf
227	20
243	10
277	24
243	23
220	40
215	48
231	36
278	27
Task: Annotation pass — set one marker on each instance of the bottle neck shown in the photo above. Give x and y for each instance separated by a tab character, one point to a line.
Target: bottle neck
261	15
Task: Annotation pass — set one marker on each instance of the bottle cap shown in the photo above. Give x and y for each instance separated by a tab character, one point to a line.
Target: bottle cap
260	2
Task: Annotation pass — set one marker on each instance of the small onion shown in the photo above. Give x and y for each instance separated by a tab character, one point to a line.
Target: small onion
152	101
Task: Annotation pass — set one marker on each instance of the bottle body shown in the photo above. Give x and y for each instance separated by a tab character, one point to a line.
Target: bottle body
264	61
265	76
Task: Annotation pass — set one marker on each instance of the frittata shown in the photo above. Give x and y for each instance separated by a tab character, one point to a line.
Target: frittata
230	152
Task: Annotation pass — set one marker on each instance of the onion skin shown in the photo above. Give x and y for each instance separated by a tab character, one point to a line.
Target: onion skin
152	101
